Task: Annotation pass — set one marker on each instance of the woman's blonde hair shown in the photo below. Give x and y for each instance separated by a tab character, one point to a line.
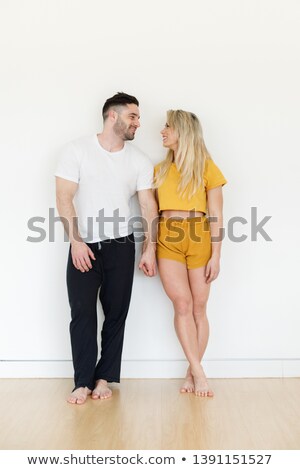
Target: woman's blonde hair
191	154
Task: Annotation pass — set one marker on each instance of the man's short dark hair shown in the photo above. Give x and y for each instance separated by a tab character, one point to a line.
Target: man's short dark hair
119	99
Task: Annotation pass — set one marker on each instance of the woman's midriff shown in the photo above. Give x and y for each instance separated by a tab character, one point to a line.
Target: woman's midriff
183	214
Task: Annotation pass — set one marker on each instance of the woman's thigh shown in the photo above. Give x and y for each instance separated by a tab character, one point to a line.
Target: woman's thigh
198	286
174	277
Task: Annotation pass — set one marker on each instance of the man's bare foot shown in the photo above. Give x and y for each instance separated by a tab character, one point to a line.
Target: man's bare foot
101	391
202	388
79	396
188	385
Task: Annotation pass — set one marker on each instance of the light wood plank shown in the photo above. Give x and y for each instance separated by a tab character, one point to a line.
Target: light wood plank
151	414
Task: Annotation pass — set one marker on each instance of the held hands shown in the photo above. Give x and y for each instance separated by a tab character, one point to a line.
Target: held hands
212	268
81	255
148	262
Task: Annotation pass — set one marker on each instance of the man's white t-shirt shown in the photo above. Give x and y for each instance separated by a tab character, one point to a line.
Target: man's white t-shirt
107	181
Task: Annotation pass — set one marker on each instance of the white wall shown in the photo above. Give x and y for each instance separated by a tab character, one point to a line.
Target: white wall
236	64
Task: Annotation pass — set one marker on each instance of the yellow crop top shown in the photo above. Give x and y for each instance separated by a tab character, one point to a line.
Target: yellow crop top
169	197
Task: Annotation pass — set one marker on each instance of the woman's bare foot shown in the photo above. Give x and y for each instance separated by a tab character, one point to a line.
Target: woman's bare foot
188	385
202	388
79	396
101	391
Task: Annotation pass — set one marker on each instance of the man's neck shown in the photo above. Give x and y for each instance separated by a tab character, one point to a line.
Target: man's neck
109	142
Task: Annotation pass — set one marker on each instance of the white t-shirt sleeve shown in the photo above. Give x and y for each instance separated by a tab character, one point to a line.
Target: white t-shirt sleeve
68	166
145	174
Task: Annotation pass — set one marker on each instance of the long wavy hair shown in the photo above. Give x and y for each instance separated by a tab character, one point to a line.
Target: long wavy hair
191	154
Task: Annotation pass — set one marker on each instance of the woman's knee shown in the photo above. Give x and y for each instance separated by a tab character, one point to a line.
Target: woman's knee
183	305
199	308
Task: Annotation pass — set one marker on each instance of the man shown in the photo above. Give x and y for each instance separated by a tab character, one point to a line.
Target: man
101	173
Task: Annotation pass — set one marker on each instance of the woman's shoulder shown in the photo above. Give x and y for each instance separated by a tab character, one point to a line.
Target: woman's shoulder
212	174
158	166
208	162
210	165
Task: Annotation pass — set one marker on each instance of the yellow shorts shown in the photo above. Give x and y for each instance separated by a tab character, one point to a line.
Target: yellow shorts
185	240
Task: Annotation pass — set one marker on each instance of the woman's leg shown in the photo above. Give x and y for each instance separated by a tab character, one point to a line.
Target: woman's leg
174	276
200	292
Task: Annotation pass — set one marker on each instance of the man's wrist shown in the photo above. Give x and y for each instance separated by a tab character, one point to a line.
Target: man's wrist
75	241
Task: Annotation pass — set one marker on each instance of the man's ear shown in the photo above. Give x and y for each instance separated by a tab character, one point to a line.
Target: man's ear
112	115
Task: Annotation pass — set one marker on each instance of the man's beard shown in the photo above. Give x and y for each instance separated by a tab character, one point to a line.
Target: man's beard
122	131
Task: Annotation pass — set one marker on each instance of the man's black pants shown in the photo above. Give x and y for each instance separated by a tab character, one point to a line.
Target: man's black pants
113	272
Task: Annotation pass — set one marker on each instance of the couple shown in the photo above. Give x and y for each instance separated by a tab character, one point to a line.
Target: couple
96	178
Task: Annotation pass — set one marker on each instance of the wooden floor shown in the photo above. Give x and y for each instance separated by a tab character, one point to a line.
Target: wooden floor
152	414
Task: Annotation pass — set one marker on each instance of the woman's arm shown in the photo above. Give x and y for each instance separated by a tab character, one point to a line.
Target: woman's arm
215	209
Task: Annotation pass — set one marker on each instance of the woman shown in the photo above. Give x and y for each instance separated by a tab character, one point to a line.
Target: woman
186	182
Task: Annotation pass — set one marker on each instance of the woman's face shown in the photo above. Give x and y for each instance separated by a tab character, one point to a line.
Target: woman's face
170	137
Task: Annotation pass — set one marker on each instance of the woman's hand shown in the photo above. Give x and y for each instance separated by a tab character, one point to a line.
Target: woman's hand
212	268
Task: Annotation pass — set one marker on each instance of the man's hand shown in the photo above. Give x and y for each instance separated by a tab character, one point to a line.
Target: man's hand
148	262
81	255
212	268
148	206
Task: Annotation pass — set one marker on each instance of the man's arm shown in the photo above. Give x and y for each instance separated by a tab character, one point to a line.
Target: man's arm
215	209
150	221
81	253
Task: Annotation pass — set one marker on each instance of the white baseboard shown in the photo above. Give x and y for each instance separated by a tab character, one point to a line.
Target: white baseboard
227	368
